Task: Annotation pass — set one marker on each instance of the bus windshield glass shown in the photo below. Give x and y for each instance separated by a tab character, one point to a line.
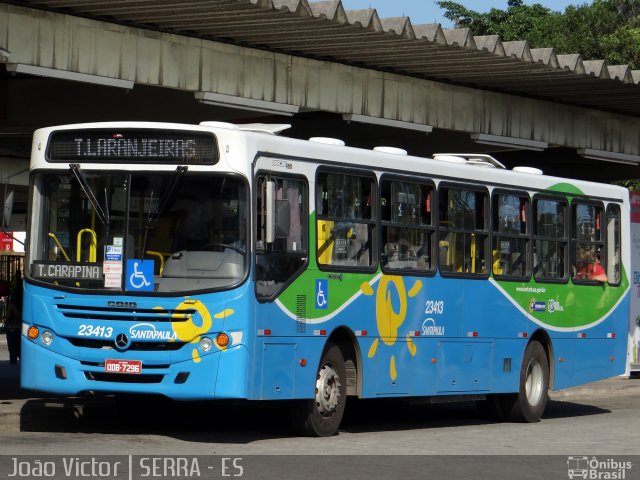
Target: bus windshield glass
175	231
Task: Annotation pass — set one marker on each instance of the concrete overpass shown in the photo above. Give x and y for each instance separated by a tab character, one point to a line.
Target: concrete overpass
331	72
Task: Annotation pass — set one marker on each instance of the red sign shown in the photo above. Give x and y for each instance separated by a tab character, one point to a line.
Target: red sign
6	242
634	197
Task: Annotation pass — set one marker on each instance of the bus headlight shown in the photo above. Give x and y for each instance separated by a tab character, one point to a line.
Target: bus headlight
206	344
47	338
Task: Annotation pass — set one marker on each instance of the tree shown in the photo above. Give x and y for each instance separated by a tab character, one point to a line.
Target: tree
604	29
632	184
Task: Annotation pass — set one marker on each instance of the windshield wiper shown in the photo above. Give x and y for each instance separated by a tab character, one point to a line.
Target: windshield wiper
168	194
86	188
162	204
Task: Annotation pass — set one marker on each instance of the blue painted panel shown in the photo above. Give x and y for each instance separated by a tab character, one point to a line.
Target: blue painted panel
278	364
464	366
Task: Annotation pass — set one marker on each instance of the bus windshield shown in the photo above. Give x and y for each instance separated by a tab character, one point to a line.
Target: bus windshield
95	229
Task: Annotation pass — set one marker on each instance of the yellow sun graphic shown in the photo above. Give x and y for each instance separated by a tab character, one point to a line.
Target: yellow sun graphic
190	330
387	319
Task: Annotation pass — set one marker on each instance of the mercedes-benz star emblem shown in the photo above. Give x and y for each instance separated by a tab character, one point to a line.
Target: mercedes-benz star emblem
122	341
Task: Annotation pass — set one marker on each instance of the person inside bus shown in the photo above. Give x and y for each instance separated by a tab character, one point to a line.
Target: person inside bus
588	267
596	270
13	320
598	273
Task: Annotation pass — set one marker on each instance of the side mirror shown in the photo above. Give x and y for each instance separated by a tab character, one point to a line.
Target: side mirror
270	201
278	215
7	210
283	214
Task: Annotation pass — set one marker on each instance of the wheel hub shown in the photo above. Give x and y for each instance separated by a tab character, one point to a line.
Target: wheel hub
534	382
327	390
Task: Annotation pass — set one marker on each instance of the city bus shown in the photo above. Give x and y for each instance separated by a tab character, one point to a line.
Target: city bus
223	261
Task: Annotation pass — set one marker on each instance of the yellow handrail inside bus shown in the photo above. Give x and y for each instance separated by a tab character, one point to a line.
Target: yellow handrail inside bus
497	262
64	253
325	241
473	254
160	256
93	246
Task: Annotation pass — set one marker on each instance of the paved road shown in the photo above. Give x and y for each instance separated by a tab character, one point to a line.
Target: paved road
600	420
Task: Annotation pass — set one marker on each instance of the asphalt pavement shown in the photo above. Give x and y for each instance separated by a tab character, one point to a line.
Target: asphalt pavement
13	399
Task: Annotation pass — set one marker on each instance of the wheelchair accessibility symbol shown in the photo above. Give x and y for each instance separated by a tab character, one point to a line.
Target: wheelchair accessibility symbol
140	275
322	294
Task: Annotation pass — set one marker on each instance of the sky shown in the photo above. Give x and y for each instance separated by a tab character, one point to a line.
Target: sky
426	11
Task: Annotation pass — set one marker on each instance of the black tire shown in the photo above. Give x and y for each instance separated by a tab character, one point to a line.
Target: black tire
529	403
321	416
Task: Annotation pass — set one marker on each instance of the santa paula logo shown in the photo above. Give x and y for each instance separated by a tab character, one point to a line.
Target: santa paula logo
429	328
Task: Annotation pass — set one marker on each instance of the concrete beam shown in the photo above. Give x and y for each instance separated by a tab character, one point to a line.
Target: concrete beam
75	44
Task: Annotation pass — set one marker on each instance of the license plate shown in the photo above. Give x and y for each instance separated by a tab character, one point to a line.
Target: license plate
123	366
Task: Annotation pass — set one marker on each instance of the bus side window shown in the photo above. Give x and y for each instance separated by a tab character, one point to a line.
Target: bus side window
613	236
463	231
407	229
587	243
510	250
549	239
345	221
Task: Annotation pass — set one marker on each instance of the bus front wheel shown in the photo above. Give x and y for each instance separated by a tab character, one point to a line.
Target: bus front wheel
529	403
321	416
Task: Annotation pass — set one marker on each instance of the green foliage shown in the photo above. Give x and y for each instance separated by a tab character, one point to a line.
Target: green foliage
603	29
633	184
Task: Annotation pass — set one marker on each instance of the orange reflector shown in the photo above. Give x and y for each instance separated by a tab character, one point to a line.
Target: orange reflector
33	332
303	362
222	340
433	360
561	359
611	358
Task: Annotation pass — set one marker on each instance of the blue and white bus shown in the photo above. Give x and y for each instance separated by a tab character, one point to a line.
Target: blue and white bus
221	261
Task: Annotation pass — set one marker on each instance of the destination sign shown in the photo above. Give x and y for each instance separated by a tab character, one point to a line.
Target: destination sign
67	271
133	146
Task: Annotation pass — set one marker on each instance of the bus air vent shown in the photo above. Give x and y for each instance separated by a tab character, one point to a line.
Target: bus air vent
394	150
530	170
328	141
87	312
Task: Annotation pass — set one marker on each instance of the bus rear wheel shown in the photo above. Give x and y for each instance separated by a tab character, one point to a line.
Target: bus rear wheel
321	416
529	403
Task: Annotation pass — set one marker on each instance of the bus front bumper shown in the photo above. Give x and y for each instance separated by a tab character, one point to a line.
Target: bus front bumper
221	374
